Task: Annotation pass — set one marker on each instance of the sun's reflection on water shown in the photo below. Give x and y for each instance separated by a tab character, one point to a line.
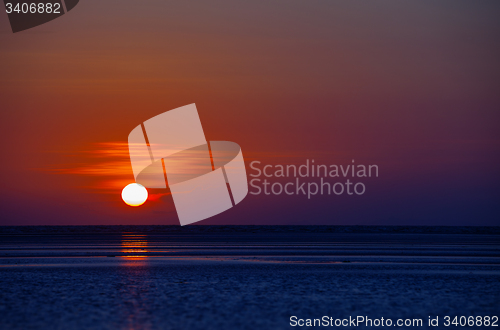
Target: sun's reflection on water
134	246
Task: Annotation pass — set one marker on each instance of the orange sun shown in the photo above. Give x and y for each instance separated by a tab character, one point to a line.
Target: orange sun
134	194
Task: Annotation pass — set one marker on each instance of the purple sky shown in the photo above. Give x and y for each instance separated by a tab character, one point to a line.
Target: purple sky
413	87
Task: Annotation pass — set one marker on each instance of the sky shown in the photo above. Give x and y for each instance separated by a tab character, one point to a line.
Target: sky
413	87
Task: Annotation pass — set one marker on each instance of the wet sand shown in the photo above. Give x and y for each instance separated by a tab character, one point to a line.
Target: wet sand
235	278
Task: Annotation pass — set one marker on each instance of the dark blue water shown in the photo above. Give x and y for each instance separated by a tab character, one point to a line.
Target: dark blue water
243	277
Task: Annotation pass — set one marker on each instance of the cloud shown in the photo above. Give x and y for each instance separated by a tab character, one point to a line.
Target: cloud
107	166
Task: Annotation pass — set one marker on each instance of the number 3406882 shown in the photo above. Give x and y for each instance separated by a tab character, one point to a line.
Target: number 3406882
471	321
33	8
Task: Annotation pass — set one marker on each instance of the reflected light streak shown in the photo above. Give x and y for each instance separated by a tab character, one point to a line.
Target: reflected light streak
134	246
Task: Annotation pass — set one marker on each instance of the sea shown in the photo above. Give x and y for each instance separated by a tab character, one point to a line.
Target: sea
249	277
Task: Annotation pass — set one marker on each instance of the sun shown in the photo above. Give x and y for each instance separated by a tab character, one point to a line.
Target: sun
134	194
